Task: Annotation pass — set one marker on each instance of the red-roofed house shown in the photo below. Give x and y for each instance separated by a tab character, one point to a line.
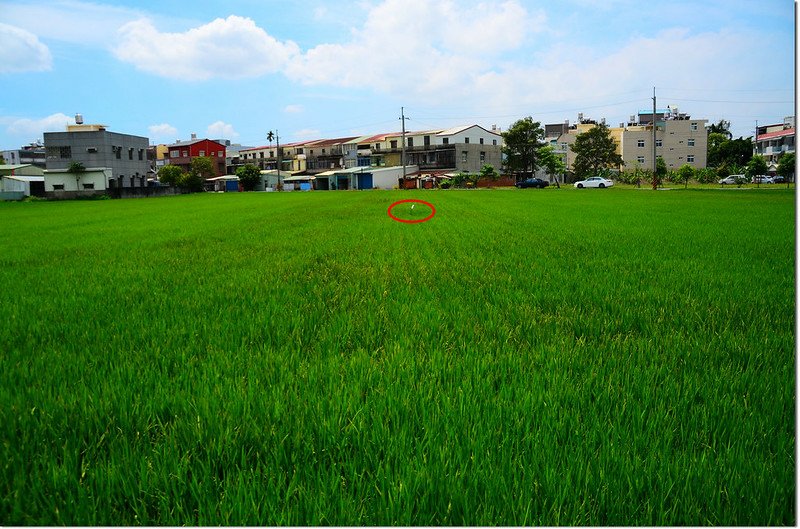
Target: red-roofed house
183	152
774	140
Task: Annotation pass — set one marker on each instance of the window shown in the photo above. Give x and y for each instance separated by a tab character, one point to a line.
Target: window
640	143
141	154
466	140
130	153
690	158
65	152
175	154
261	155
58	187
410	142
426	140
445	141
117	152
640	159
694	126
272	154
185	154
202	153
299	150
393	144
481	141
690	142
658	143
494	142
464	156
563	145
483	156
88	186
91	149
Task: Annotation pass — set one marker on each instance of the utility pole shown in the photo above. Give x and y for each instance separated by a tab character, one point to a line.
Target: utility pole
278	148
655	165
403	119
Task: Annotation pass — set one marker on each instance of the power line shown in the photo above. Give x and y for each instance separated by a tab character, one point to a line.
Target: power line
731	102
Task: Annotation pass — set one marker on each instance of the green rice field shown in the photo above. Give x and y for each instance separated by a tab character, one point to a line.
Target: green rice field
525	357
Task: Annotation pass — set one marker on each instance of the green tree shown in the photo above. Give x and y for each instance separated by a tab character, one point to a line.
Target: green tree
200	170
714	152
721	127
521	143
249	176
552	162
786	166
705	175
756	166
2	160
595	150
684	174
76	169
170	175
738	151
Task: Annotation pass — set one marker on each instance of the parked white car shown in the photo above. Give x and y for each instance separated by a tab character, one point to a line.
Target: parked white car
594	181
733	179
763	179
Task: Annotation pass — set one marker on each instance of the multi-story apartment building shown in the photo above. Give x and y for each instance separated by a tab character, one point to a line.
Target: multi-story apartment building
95	147
679	139
183	152
773	140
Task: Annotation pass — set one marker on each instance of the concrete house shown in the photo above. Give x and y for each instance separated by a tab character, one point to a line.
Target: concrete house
19	181
183	152
95	146
772	141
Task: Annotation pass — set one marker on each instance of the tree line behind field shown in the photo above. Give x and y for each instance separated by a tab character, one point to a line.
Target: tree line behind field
596	154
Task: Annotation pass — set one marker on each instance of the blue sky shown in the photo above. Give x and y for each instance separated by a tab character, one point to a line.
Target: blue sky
325	69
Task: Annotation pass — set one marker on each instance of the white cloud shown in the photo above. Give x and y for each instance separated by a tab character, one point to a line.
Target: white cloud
293	109
432	46
306	134
162	131
221	130
30	128
21	51
231	48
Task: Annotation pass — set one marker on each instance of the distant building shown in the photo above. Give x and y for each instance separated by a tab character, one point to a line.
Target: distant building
95	147
438	151
679	139
32	154
17	181
183	152
772	141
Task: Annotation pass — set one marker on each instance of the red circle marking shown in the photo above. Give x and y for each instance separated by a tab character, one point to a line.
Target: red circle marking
417	221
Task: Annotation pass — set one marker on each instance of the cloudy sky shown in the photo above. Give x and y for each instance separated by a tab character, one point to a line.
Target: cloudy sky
324	69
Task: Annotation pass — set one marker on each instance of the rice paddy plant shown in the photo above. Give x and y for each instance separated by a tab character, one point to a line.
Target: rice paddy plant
523	358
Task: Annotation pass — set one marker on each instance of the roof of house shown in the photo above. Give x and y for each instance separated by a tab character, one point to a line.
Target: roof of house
192	142
456	130
22	178
776	134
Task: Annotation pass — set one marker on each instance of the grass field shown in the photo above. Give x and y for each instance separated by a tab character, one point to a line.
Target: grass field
538	357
